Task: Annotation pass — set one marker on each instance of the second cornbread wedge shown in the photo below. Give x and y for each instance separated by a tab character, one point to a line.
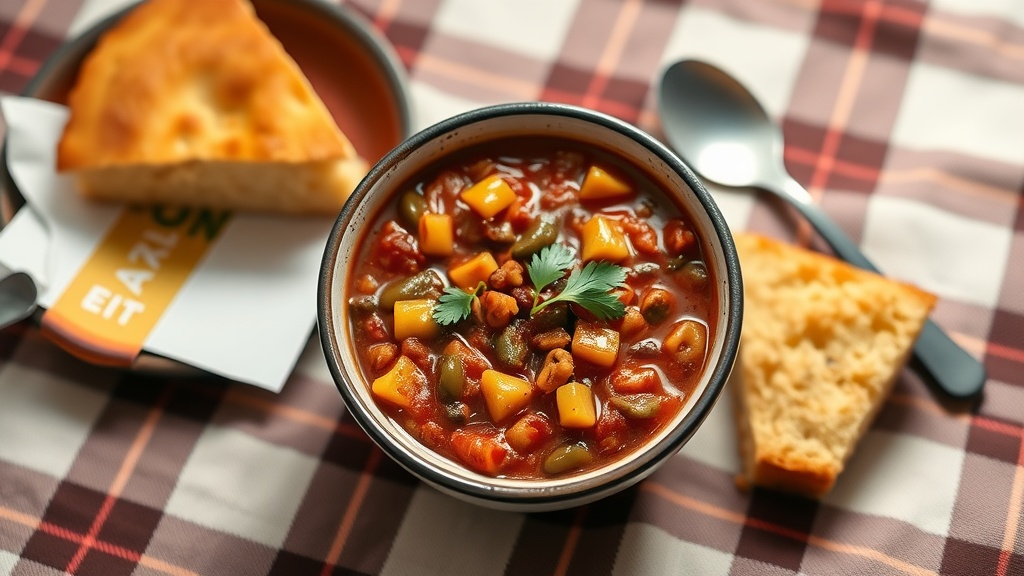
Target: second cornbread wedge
198	104
822	345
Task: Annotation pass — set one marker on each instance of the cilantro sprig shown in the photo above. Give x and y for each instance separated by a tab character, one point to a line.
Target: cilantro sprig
455	304
590	287
548	265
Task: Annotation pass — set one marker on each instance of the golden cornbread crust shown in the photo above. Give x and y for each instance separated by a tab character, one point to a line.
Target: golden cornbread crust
823	342
194	86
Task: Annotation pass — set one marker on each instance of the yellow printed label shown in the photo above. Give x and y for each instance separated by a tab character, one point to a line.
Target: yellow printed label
106	312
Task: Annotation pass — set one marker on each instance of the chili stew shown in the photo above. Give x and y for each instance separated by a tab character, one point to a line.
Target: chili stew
533	309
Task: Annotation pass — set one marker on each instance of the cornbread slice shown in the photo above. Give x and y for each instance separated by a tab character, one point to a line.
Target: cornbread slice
822	345
196	103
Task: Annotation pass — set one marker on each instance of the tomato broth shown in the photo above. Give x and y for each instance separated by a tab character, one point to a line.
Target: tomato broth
463	351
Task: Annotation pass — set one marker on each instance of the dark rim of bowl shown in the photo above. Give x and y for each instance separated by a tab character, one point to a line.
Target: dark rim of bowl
348	19
690	422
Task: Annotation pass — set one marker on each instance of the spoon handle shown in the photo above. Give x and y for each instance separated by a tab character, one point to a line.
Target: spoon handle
949	366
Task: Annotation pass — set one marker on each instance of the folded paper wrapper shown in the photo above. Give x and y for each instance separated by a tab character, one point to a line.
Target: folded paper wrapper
245	312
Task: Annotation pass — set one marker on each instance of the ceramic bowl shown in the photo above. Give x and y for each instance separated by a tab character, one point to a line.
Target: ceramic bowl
434	145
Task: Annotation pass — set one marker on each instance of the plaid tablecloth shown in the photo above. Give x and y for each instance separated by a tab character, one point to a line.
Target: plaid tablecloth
905	119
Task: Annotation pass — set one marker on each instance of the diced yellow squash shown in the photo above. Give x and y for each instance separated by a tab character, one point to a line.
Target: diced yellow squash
472	272
503	394
599	184
437	237
595	344
603	240
415	318
400	384
489	196
575	405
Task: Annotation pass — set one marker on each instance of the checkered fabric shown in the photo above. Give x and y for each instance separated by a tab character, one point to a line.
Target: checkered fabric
904	119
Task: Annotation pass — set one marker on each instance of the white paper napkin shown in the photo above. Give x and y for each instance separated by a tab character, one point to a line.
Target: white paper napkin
248	308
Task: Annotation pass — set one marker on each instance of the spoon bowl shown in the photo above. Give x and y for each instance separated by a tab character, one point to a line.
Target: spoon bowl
17	298
726	136
731	142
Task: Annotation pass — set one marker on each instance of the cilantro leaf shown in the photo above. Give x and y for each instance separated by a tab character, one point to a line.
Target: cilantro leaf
591	288
549	265
454	305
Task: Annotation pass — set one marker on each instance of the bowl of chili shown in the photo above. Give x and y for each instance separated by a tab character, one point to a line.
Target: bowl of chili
530	306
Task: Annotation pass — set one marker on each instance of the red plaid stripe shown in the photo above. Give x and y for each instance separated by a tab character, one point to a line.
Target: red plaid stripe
30	34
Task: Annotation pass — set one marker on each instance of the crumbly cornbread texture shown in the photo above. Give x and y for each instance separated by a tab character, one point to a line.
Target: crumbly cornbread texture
822	345
196	103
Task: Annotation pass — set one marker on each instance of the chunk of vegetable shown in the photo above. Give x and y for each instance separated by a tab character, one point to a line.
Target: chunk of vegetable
595	344
436	234
510	275
473	362
554	316
541	233
567	457
498	308
599	184
401	384
624	294
472	272
411	206
656	304
381	354
602	239
629	380
528	433
641	235
414	349
366	284
396	250
415	318
693	275
480	452
638	406
678	237
687	341
611	431
575	403
425	284
360	305
489	196
633	322
457	412
551	339
503	394
451	377
511	346
557	370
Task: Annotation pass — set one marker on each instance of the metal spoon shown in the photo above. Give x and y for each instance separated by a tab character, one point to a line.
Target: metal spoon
17	298
725	135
